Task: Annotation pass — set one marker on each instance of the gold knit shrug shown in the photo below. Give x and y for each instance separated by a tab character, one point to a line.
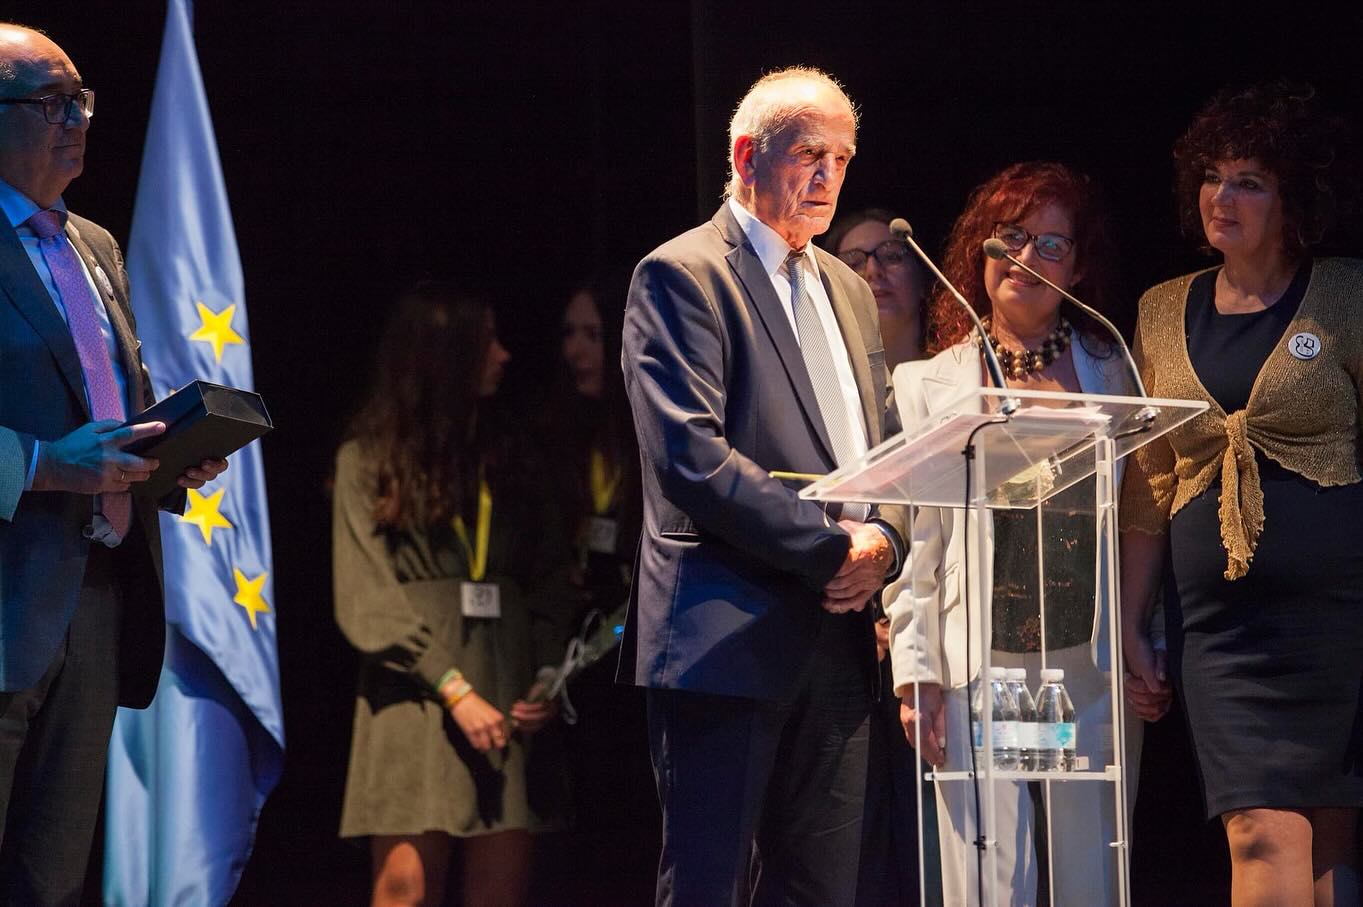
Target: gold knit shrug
1303	414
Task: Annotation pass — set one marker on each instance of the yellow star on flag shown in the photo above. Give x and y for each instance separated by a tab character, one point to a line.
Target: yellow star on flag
216	328
249	594
205	513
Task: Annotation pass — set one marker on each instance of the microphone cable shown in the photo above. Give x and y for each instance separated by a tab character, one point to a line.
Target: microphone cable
980	840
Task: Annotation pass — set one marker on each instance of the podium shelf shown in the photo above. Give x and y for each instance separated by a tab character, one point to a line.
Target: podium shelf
1111	773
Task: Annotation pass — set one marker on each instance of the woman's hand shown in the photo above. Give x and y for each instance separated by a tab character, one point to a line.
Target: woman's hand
1147	687
932	711
484	726
531	716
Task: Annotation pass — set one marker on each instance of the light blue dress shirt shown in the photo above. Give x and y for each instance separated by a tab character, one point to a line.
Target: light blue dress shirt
17	209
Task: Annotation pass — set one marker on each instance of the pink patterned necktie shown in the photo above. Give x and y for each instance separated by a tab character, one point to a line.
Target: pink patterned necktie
82	317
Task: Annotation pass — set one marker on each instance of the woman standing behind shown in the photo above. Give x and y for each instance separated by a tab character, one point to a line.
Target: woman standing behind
1051	219
434	584
611	854
1252	504
864	243
594	432
889	839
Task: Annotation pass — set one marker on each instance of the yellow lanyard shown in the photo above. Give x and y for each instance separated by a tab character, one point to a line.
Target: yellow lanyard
477	558
604	482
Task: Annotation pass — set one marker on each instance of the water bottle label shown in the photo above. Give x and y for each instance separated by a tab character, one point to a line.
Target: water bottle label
1027	735
979	734
1065	735
1005	735
1055	736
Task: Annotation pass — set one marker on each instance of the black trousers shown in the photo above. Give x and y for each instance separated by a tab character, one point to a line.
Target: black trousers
762	801
889	842
54	739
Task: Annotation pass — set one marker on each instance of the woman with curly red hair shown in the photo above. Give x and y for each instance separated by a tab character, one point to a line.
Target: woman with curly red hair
1243	511
1052	219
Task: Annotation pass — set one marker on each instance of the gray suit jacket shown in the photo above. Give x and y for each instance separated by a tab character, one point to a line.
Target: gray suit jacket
42	548
732	562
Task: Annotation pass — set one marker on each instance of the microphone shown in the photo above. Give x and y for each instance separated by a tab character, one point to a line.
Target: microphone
900	229
994	248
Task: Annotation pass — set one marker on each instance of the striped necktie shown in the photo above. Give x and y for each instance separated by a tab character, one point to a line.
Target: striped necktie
819	363
82	316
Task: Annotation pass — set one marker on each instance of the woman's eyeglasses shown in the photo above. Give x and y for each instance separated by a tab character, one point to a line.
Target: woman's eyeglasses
892	253
1050	246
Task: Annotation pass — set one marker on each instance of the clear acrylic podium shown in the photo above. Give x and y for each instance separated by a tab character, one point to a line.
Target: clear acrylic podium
1021	462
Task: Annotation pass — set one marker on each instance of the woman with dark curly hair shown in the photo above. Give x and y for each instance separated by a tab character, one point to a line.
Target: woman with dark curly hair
1244	511
1052	219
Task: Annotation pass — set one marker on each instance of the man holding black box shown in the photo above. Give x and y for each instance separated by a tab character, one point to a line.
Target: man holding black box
82	623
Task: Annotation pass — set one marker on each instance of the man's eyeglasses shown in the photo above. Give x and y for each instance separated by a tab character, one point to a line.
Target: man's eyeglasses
58	108
892	253
1050	246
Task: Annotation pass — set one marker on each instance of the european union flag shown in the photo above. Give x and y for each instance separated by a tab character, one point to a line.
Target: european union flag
188	776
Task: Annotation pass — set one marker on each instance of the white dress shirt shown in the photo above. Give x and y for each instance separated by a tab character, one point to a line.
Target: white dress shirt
772	250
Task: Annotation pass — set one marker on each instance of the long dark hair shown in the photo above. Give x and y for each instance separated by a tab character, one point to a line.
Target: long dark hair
1008	197
603	424
417	422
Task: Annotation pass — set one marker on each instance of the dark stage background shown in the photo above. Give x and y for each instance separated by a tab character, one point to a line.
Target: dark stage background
526	144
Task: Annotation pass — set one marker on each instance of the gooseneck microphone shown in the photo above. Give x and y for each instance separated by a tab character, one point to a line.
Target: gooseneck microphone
900	229
995	248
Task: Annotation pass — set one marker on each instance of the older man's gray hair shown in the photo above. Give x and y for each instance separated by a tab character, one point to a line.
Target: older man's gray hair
768	108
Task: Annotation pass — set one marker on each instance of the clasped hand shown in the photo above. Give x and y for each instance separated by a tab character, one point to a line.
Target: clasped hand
92	460
862	572
1148	690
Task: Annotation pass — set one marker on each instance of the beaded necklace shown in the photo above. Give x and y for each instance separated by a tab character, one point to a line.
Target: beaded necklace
1019	364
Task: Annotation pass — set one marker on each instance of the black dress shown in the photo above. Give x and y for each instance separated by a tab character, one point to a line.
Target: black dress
1270	666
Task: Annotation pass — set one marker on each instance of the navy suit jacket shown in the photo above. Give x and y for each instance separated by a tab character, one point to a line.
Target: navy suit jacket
42	548
731	563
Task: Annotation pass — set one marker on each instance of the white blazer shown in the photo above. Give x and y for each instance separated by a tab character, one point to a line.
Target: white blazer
927	643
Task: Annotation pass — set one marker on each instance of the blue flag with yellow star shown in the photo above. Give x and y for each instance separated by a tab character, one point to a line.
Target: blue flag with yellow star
188	776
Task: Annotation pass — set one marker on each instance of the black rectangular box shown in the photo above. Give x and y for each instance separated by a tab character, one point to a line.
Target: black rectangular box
203	421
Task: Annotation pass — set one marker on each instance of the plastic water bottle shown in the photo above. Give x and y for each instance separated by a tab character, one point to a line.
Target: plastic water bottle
977	715
1005	718
984	692
1027	733
1056	730
1005	710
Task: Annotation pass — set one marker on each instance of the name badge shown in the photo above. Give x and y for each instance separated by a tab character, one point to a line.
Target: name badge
601	535
480	600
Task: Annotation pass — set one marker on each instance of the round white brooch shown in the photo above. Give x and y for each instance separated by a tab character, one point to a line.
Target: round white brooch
1304	345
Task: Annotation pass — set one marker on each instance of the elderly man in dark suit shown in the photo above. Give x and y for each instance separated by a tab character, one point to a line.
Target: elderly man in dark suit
82	623
747	350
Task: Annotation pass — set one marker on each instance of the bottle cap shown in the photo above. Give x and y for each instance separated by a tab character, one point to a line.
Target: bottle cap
1052	675
1017	674
998	673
